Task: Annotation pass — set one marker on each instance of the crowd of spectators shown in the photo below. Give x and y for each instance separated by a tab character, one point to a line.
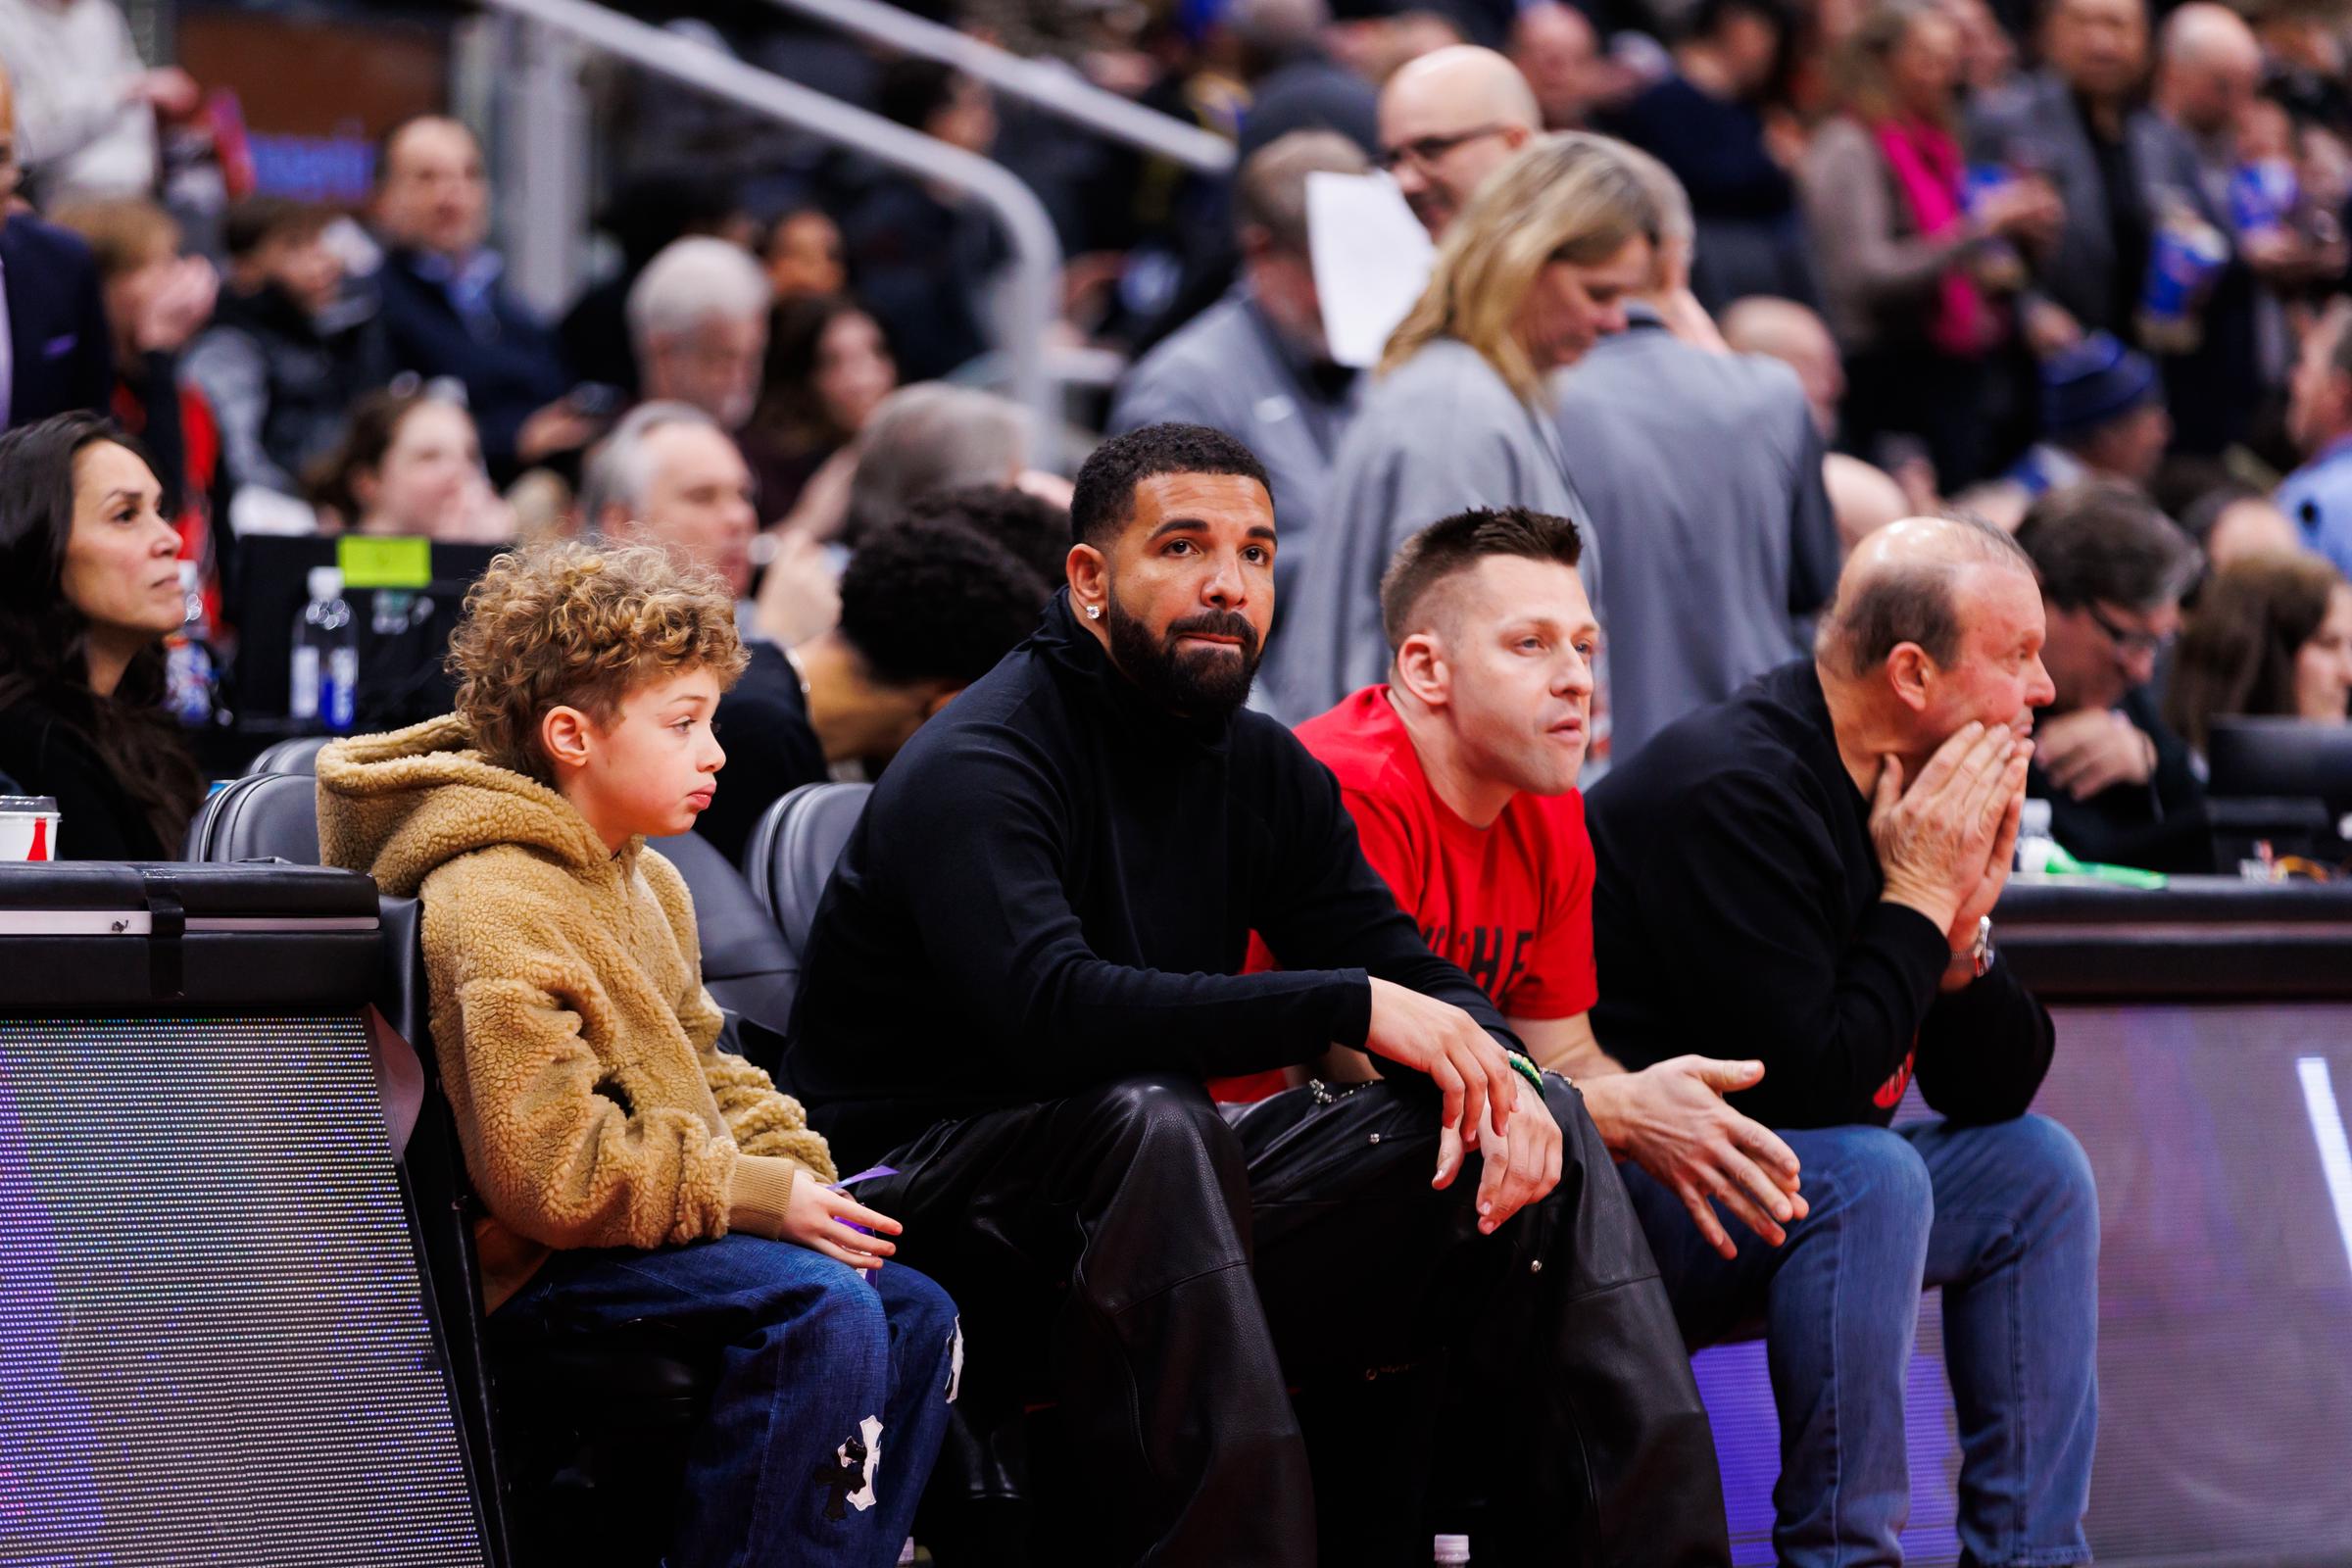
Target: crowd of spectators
1825	423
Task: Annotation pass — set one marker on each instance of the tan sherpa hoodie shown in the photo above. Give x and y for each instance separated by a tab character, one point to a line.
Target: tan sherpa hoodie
576	1043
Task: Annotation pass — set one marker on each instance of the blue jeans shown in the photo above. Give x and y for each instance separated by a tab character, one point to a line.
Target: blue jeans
2006	1220
819	1369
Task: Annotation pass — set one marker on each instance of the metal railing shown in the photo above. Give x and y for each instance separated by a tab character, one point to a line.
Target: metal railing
1050	86
1030	303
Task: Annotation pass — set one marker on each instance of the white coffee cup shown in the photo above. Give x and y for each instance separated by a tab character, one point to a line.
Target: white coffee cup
27	827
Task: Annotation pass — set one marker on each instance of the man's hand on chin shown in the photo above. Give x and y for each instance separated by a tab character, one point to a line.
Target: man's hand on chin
1671	1120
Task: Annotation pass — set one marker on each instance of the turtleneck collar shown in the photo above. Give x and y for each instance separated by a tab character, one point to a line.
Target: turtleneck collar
1085	669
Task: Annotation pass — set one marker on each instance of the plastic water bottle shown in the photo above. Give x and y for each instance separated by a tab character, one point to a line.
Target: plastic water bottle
2037	850
191	675
326	656
1451	1552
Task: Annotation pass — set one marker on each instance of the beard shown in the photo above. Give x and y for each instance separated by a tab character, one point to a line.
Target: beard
1198	682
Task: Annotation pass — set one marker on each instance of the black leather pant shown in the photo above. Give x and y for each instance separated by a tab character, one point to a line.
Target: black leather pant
1114	1232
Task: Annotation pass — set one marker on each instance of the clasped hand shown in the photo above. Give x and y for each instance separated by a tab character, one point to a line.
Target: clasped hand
1486	1104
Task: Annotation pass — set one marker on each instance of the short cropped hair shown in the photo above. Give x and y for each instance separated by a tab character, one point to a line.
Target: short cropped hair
1269	192
1913	602
575	625
932	600
1033	528
252	222
2107	542
618	472
928	438
1104	501
1454	545
124	232
693	280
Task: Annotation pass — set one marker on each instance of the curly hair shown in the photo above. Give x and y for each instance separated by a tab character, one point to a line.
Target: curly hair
932	600
573	626
1032	527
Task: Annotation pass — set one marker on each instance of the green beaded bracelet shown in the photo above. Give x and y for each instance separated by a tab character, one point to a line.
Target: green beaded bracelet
1525	1068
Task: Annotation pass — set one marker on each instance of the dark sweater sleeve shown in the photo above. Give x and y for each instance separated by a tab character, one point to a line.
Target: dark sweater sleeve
1815	551
2158	826
1982	1051
1752	890
45	760
1328	909
999	934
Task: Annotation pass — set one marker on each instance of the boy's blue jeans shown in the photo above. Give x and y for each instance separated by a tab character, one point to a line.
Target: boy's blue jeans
2006	1220
832	1393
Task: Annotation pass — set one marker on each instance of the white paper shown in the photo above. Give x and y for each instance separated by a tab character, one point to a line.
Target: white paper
1371	258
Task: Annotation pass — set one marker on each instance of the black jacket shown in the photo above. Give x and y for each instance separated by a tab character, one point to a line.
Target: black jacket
98	820
63	356
1736	914
764	725
2159	826
510	362
1055	885
283	383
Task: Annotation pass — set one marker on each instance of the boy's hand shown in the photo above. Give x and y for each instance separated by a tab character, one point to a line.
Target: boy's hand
819	1219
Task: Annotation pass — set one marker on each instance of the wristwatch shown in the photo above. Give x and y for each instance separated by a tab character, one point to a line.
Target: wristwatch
1978	953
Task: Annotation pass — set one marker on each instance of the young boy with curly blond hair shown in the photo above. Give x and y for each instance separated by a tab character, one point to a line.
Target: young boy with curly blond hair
633	1172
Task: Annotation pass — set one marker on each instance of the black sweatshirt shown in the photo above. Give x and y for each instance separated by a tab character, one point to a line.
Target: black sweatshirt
1736	914
2160	825
762	725
1055	885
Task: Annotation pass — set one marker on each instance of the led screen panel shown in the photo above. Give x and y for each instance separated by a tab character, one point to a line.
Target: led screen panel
213	1344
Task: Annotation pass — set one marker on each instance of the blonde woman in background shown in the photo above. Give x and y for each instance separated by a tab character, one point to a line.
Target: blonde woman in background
1536	267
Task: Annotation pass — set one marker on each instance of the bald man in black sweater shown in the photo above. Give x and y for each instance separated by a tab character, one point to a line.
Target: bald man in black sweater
1806	874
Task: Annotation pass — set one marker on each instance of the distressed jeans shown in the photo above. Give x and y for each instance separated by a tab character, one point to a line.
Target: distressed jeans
2005	1218
832	1393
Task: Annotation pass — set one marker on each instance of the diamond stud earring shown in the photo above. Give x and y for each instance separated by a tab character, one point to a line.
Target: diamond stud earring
1093	612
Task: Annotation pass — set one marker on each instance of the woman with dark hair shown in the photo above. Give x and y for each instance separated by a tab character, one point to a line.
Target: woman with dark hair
89	588
2271	637
410	463
828	367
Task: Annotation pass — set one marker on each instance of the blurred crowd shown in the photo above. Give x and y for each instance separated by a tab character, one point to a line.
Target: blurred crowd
1915	254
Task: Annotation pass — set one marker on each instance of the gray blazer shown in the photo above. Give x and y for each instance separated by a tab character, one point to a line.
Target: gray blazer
1227	369
1442	434
1703	474
2034	120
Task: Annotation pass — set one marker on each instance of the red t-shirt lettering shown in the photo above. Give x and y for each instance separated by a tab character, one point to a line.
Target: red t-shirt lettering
1511	904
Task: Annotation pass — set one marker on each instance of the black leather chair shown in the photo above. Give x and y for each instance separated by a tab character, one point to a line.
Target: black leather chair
585	1444
261	816
792	855
746	965
297	756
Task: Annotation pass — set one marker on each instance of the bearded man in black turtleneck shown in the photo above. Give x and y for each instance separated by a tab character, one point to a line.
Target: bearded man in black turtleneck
1024	968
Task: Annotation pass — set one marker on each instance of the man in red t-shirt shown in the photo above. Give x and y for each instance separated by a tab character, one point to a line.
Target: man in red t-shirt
1461	776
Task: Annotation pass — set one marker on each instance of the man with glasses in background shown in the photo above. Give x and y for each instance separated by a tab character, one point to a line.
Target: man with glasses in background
1446	121
2121	785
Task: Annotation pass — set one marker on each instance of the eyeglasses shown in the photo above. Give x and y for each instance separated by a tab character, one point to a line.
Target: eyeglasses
1427	150
2127	641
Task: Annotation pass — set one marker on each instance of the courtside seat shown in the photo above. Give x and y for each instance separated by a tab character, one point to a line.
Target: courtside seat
261	816
747	967
792	855
297	756
587	1441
